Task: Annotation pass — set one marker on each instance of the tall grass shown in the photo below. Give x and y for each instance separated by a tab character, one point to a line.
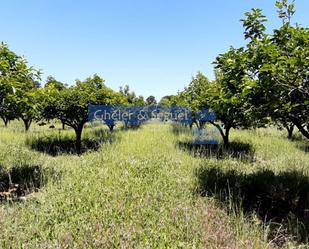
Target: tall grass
137	191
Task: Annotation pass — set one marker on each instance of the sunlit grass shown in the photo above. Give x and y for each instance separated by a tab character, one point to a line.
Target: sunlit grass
138	190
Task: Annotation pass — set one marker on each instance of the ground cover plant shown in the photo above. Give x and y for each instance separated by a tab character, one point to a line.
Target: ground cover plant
233	173
143	190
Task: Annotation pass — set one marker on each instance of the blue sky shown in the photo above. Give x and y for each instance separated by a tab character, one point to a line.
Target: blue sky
154	46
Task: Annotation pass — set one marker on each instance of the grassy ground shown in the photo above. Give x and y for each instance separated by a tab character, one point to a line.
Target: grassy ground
142	189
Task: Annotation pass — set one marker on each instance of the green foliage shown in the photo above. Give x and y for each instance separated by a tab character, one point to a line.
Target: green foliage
9	62
196	93
131	97
278	72
285	10
166	100
268	78
50	96
18	87
52	82
70	105
151	100
195	96
150	179
223	96
254	24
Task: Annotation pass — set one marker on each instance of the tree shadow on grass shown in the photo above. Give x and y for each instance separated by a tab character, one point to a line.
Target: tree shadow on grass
282	200
239	150
22	180
64	144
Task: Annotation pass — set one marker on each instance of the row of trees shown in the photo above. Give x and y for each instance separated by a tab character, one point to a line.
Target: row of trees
265	81
18	86
22	97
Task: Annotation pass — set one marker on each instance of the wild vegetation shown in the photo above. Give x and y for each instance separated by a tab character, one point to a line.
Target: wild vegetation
141	188
69	183
267	80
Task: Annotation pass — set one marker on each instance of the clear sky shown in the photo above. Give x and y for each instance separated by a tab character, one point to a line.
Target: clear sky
154	46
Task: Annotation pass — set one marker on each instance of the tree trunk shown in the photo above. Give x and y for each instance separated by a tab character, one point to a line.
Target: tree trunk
78	142
5	121
27	123
63	125
301	128
290	129
303	131
226	136
111	127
